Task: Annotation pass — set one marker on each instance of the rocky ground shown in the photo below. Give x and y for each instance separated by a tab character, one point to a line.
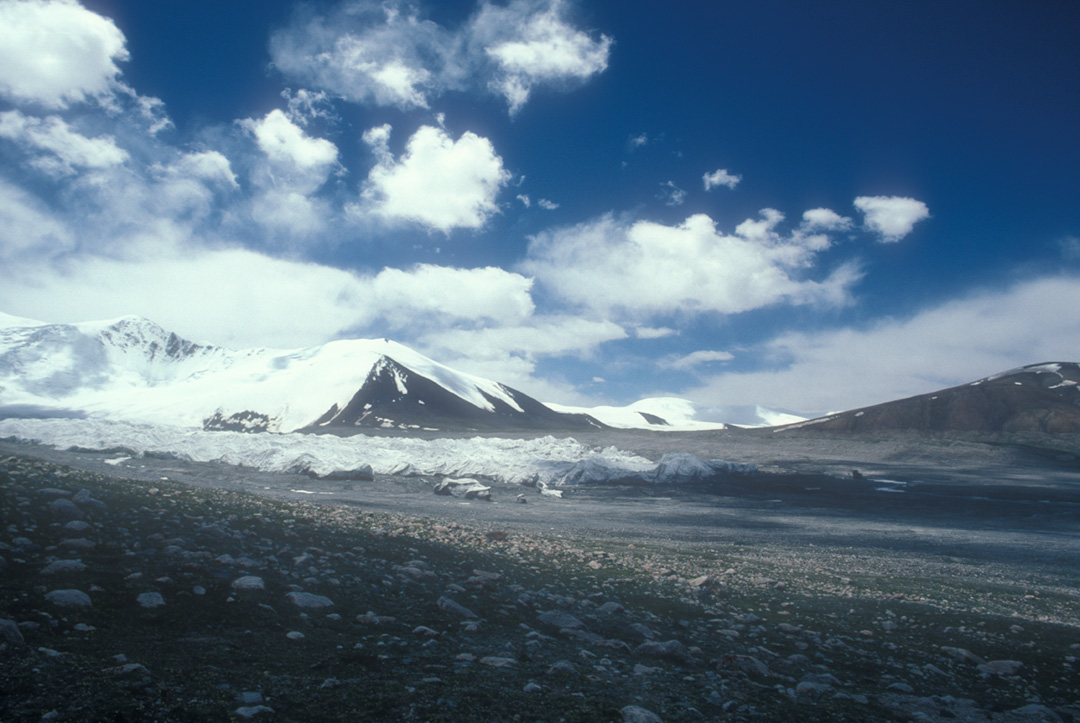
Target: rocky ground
151	599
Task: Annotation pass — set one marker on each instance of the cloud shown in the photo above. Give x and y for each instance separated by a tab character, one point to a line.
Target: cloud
386	54
547	205
365	52
429	294
209	166
60	150
614	268
695	359
532	44
541	336
720	177
671	194
952	343
510	353
437	182
56	53
525	200
638	141
892	217
825	219
289	148
27	227
649	332
211	293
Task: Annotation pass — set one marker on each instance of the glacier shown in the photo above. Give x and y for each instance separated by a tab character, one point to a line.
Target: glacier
545	462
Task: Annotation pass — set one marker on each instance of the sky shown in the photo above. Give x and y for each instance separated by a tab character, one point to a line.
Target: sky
804	206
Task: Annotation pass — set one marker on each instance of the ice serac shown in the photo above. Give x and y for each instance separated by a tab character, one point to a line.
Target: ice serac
395	396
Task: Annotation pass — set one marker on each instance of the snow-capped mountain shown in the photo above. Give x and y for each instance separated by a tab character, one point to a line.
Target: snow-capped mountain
132	369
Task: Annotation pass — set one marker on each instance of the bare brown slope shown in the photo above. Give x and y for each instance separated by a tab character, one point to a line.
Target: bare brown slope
1035	398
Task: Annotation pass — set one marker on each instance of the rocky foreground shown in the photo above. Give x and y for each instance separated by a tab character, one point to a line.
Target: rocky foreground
130	600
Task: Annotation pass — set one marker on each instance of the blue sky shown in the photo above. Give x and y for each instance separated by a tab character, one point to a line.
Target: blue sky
807	206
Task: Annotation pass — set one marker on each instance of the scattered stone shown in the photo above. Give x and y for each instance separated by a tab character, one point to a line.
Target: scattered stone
637	714
671	650
69	599
307	600
66	509
127	669
962	655
468	489
250	711
560	619
150	600
562	667
249	582
61	566
532	688
447	605
498	662
295	635
10	632
1002	668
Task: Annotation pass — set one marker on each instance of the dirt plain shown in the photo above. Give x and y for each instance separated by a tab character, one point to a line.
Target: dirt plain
894	577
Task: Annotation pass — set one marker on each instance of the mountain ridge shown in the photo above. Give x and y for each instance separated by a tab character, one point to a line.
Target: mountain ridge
1042	397
131	368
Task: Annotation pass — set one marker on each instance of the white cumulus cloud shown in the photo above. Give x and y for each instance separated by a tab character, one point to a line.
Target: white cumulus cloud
437	182
287	145
58	149
441	292
639	269
56	52
720	177
532	44
892	217
387	54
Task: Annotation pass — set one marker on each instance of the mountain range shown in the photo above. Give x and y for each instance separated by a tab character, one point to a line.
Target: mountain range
132	369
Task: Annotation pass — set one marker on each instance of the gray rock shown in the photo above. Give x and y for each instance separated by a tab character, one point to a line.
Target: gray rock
9	632
61	566
562	667
150	600
468	489
745	663
308	600
447	605
77	526
498	662
637	714
560	619
670	650
806	689
1003	668
66	508
248	582
962	655
250	711
69	598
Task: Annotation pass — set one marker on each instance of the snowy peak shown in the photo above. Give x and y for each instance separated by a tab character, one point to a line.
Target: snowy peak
132	369
395	396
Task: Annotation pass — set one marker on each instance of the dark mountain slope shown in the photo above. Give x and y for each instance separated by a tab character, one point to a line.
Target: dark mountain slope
395	396
1034	398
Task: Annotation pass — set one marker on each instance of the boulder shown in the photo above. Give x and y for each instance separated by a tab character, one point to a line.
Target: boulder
465	488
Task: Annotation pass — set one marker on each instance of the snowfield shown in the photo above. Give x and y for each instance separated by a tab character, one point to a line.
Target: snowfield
545	462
